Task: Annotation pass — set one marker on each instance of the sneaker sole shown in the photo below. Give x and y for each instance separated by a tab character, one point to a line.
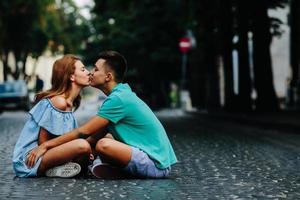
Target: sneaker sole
104	170
67	170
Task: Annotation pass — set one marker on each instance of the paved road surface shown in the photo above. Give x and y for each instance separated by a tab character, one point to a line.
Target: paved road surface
217	160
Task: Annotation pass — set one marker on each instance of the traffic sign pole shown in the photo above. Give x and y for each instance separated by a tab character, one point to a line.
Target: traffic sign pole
184	46
183	70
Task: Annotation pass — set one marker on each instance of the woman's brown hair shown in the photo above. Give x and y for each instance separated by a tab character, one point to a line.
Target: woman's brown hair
62	70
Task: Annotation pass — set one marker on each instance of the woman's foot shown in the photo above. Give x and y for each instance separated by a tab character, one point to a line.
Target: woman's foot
67	170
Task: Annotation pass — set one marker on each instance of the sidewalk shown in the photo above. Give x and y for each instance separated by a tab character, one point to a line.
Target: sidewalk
283	120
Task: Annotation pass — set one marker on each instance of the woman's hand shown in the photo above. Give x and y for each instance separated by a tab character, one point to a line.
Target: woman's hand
35	154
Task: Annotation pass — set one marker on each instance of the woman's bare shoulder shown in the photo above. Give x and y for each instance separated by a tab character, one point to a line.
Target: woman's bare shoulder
59	102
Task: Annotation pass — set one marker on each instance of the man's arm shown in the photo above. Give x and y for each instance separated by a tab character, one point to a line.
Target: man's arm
93	139
91	127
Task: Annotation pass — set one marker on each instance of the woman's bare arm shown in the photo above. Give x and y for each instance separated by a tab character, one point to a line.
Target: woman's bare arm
93	126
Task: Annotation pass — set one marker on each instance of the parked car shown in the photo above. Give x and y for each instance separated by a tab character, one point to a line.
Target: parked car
14	95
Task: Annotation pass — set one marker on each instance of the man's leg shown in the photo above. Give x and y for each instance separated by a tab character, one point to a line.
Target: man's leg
114	152
120	154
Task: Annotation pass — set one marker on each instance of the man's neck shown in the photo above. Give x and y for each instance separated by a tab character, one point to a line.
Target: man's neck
109	87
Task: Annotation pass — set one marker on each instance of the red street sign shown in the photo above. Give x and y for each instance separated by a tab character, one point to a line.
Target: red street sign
184	44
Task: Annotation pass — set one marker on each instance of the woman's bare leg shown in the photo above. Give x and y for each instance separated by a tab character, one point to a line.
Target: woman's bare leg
64	153
113	151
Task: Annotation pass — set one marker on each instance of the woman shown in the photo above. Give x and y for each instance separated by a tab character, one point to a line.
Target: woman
52	116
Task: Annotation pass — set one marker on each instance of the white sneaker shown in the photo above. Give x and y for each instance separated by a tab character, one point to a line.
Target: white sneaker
67	170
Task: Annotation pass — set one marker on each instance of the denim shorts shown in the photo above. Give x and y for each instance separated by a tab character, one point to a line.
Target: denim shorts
142	166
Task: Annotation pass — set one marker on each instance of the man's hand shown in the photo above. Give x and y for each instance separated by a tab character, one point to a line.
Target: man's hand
93	139
35	154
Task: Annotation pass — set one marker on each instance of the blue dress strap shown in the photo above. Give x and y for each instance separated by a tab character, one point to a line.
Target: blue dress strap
52	119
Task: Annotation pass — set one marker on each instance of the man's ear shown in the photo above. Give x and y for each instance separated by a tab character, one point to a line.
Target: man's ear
109	76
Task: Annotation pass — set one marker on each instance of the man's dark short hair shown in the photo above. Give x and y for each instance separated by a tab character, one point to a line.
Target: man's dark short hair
115	62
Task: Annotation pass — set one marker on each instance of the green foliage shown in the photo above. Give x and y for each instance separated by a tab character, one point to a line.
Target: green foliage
73	28
28	27
146	32
20	22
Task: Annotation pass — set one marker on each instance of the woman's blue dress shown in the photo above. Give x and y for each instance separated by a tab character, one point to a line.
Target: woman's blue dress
45	115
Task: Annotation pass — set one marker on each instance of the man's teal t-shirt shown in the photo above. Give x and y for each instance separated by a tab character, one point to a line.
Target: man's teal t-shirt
134	123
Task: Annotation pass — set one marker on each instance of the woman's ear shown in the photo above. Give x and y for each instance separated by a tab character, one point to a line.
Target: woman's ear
72	78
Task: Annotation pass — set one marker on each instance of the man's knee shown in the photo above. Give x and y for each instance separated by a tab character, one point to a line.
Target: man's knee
103	145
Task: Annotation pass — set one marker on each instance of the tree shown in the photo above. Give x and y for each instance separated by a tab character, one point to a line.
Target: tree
295	52
203	78
243	18
19	29
261	26
244	81
72	28
29	27
147	34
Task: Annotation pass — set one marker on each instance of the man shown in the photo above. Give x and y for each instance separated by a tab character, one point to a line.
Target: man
139	146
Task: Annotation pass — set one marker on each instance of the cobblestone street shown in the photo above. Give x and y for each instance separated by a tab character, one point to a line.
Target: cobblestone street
218	159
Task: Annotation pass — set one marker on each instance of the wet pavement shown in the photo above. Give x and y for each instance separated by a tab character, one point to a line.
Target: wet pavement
219	158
